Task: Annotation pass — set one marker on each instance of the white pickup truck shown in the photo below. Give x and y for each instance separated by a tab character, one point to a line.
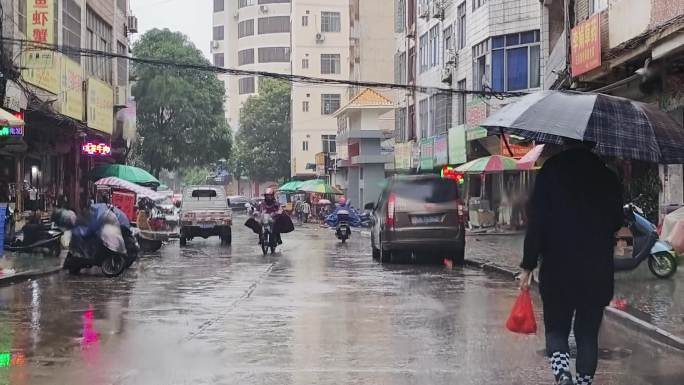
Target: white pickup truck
205	212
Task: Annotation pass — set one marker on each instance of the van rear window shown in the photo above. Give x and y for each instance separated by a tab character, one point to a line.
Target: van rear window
204	194
427	190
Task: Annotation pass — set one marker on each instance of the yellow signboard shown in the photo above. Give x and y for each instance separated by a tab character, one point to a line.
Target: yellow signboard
40	21
100	106
71	95
46	77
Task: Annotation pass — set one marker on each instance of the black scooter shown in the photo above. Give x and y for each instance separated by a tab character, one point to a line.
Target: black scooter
343	229
37	238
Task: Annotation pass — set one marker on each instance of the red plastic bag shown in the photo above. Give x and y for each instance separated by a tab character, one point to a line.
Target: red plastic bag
522	319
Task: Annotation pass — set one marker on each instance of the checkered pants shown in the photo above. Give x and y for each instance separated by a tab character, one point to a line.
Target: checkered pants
584	379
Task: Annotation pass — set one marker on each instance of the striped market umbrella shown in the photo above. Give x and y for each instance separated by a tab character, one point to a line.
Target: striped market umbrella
319	186
291	186
617	126
128	173
489	164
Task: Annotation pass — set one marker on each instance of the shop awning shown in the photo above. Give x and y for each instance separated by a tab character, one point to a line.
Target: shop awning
140	191
7	119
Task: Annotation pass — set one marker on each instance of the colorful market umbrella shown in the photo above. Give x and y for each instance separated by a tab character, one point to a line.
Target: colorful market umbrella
128	173
489	164
319	186
291	186
527	162
140	191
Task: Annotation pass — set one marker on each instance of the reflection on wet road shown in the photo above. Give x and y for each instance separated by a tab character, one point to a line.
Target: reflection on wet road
318	312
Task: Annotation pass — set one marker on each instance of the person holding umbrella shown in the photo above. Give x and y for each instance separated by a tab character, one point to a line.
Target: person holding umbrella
576	205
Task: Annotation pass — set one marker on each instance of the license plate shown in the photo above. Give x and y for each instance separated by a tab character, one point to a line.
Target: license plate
426	219
206	225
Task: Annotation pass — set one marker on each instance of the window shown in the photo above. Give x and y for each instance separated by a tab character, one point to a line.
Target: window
596	6
305	21
411	65
99	38
329	103
305	146
121	64
121	4
361	175
218	32
274	24
480	68
423	117
218	60
433	114
515	61
218	5
400	68
21	12
448	38
245	3
246	85
400	124
246	56
273	1
461	85
274	54
71	26
305	63
441	113
204	194
330	63
329	144
330	22
399	16
478	3
434	46
411	120
246	28
424	54
305	106
461	18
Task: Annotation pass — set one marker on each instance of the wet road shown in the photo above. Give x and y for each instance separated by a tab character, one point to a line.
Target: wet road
318	312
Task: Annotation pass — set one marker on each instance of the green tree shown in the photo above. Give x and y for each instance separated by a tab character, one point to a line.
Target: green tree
263	142
180	112
196	176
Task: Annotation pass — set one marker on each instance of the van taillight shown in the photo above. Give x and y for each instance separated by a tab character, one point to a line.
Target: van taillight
391	205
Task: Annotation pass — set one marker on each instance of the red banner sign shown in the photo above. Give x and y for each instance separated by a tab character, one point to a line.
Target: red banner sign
585	45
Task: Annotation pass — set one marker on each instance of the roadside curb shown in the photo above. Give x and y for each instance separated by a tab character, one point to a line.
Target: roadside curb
27	275
619	316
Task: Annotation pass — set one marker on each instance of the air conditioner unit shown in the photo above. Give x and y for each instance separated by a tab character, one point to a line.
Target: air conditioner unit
423	11
263	9
132	24
236	14
447	74
320	37
120	96
214	44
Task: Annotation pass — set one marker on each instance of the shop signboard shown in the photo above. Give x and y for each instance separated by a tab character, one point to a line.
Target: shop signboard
426	154
515	150
40	66
415	154
96	149
71	97
46	77
585	45
100	106
457	144
403	155
440	150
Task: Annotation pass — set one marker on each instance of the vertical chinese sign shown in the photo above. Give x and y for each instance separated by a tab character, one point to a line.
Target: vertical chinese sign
41	65
585	45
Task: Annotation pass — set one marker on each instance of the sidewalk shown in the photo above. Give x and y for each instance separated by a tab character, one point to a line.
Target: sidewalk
20	266
655	301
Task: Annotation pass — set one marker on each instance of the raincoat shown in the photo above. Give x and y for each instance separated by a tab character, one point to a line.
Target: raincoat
354	218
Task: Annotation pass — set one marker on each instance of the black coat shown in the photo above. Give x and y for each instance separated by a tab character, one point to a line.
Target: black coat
574	212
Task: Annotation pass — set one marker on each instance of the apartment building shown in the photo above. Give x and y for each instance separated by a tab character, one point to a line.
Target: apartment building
460	44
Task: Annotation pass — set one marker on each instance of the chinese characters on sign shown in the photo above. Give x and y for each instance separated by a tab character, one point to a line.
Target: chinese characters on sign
101	149
585	45
40	66
100	106
40	21
440	150
11	131
426	154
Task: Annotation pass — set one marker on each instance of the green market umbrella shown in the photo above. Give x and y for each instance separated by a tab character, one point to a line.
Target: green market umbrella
319	186
128	173
291	186
488	164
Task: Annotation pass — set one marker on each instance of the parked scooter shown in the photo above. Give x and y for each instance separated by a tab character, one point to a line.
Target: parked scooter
662	259
37	238
343	229
105	240
365	218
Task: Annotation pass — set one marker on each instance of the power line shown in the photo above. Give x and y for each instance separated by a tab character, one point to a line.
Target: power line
240	72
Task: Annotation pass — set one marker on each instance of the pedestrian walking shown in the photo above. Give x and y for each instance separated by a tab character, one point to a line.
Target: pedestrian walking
306	209
573	213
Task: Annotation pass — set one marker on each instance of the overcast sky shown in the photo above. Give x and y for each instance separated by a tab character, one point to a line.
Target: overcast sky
192	17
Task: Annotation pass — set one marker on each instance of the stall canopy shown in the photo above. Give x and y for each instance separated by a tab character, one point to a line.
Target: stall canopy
128	173
140	191
488	164
319	186
527	162
291	186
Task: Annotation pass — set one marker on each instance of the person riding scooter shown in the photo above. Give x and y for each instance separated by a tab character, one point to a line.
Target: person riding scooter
272	207
354	218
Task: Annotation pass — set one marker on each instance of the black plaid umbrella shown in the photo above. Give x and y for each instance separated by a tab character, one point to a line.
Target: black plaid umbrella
619	127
